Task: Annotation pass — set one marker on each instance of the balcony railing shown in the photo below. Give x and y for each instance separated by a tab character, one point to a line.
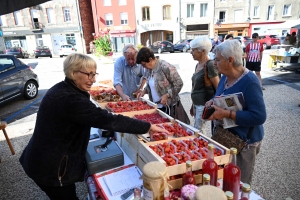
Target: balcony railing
36	26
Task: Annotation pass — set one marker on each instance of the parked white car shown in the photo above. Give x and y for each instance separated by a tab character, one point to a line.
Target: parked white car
66	49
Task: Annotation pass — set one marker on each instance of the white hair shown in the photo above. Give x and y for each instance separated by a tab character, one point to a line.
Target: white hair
127	48
231	48
201	43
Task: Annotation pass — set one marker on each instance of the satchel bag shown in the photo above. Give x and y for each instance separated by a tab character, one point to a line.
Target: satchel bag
180	113
230	139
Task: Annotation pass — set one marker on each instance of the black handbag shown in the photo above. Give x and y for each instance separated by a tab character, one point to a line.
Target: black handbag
180	113
229	139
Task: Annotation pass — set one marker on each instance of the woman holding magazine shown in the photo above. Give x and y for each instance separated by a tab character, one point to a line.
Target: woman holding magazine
235	79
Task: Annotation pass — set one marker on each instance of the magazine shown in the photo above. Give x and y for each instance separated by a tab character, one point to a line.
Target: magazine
234	102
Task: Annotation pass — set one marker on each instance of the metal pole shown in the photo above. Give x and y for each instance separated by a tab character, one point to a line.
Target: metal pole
179	20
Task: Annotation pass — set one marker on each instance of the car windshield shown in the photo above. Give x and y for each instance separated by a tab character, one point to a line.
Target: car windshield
273	36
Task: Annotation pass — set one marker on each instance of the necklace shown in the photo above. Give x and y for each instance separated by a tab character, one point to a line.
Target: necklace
227	85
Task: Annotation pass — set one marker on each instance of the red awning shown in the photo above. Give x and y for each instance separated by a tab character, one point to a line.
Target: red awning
123	35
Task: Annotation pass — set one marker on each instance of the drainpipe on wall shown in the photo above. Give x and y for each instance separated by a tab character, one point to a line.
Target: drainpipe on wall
96	14
179	20
80	27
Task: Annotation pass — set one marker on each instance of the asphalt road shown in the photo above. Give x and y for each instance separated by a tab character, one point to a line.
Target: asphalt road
277	166
50	72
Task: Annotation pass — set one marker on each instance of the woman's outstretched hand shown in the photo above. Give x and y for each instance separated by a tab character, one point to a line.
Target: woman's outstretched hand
155	129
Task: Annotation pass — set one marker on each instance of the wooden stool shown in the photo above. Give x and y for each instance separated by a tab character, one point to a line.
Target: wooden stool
2	127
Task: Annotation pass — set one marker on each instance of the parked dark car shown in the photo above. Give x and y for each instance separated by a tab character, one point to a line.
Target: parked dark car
16	79
19	52
42	51
162	46
183	45
269	40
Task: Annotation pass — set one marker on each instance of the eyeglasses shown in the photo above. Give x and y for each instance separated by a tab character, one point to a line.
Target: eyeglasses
90	75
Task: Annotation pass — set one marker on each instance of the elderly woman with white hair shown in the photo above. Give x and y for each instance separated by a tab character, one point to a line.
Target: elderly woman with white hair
204	81
55	155
237	78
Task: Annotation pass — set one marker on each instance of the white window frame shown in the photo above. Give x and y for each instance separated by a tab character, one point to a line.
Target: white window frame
287	10
167	12
271	17
50	16
222	20
238	18
124	18
122	2
109	19
256	11
18	18
106	2
3	21
203	13
189	10
147	17
67	14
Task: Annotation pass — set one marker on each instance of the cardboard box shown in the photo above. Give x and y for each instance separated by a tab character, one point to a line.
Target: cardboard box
148	155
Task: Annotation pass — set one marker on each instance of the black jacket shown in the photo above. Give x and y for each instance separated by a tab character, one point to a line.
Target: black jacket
61	135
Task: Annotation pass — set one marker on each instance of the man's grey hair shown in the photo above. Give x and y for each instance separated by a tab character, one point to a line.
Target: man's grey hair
128	47
231	48
201	43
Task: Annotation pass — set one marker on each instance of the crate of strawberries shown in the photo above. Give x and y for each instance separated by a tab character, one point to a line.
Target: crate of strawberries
131	108
175	152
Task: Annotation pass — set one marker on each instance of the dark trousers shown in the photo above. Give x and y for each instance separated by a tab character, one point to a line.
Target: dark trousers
60	193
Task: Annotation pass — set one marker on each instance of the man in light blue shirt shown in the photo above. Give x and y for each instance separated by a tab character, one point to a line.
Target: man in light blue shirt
129	77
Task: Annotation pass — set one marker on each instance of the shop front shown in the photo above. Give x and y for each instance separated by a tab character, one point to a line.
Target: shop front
157	32
122	37
157	35
236	29
196	30
52	37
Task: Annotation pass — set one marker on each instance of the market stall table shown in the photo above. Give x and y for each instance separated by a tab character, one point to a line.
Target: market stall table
283	59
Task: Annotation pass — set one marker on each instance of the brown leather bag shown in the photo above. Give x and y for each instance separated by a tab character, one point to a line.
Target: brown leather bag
229	139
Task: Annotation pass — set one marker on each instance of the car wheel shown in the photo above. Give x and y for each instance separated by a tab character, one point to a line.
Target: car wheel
61	56
50	56
30	90
184	49
171	51
36	57
159	50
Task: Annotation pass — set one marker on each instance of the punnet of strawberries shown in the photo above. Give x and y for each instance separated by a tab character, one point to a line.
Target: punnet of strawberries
104	94
153	118
128	106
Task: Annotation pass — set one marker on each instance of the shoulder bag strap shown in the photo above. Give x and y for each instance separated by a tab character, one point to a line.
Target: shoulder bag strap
207	81
250	133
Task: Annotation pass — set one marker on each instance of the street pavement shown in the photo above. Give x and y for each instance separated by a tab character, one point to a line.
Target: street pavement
277	166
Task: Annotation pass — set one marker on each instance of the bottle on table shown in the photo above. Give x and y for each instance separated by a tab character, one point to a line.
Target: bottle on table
188	177
232	175
229	195
210	166
245	192
137	194
206	179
